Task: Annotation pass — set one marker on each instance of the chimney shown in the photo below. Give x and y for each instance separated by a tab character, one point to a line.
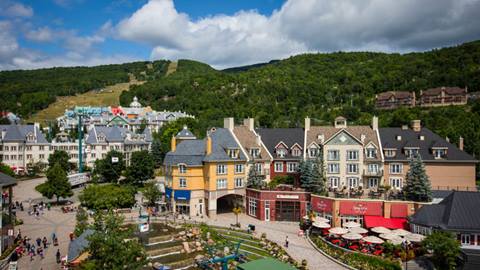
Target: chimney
228	123
447	139
173	144
258	140
307	123
460	143
404	127
416	125
208	148
375	123
363	137
249	123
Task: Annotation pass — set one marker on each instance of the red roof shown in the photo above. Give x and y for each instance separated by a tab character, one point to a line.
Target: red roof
390	223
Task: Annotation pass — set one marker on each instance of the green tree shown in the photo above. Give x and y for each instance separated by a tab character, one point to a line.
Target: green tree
418	186
152	193
56	185
157	154
6	170
255	180
111	245
142	127
141	168
82	221
445	249
110	196
318	176
308	179
61	157
110	168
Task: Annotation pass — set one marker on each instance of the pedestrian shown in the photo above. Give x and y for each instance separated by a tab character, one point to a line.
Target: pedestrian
21	206
49	206
286	241
53	236
39	241
28	246
40	252
45	241
31	252
71	236
58	255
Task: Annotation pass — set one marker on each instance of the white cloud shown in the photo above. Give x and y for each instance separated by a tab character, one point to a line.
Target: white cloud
301	26
13	9
42	34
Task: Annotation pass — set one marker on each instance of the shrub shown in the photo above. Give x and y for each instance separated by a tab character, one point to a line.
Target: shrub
109	196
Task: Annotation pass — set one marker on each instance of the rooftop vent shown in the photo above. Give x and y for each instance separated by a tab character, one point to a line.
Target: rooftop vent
399	138
421	137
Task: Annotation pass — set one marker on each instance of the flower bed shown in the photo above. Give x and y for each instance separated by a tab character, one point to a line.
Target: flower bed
356	260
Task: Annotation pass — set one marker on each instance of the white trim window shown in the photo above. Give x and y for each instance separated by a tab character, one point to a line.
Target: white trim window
396	183
222	183
352	155
466	240
334	182
182	182
278	167
439	153
296	152
281	152
252	207
221	169
333	155
396	168
292	166
239	168
372	182
352	168
238	182
390	152
373	168
352	182
259	167
182	168
371	153
333	168
312	152
255	152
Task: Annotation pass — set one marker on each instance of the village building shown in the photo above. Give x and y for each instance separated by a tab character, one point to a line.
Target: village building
443	96
395	99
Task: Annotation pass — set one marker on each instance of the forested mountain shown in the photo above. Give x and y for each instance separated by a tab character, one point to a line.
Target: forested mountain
323	86
28	91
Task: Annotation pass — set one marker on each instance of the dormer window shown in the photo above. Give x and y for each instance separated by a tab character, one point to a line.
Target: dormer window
254	152
371	152
440	153
390	152
312	152
101	137
233	153
296	152
182	168
281	153
411	152
30	137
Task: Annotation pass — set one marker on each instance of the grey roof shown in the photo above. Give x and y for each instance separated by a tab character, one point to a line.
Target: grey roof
78	245
185	134
6	180
189	152
410	138
112	134
222	140
148	134
273	136
459	211
18	133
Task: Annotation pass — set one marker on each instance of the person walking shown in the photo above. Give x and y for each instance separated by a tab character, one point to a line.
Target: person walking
31	252
58	256
286	241
53	236
39	241
45	241
40	252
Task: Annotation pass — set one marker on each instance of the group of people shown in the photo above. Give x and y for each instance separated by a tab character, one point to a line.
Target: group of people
34	248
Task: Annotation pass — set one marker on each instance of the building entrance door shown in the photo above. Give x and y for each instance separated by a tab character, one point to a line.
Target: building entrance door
287	211
267	214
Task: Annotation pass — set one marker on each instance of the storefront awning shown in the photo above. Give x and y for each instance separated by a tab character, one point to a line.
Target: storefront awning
182	195
390	223
168	192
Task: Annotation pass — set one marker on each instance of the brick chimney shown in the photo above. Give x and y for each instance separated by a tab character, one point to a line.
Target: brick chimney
416	125
228	123
249	123
460	143
307	123
173	144
208	148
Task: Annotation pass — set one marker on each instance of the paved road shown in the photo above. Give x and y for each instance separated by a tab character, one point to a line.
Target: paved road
51	221
298	248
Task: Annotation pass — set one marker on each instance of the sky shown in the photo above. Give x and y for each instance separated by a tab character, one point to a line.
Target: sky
223	33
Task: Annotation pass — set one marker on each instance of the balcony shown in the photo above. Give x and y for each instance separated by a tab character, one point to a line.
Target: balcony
377	173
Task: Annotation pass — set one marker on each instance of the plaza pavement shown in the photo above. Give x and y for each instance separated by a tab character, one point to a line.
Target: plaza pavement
51	221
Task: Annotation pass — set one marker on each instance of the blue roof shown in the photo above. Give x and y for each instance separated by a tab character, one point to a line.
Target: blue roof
16	133
222	140
189	152
78	245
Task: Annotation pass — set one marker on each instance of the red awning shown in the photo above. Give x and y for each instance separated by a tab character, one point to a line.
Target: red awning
390	223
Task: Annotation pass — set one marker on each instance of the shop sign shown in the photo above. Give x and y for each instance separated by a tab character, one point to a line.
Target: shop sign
281	196
360	208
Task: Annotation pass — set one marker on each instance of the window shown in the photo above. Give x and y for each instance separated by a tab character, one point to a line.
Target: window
333	155
372	182
221	169
258	167
396	168
411	153
182	168
371	153
254	152
41	147
333	168
465	239
233	153
20	157
281	153
182	182
252	207
439	153
390	153
5	148
396	183
238	182
278	166
29	156
28	148
352	182
333	182
373	168
238	168
93	155
41	156
104	147
352	155
352	168
292	166
312	152
296	152
221	183
14	148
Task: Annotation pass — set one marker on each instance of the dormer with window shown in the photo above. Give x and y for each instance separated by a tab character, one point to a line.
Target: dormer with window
281	150
390	152
411	152
30	137
233	153
439	152
340	122
313	151
296	151
255	152
101	137
371	152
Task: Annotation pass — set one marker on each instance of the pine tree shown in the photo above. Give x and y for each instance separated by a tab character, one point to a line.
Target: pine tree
157	152
318	175
307	176
418	186
254	180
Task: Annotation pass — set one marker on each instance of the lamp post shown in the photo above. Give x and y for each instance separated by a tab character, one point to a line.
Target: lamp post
406	243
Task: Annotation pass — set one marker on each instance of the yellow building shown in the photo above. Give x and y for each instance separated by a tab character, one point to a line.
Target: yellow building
206	176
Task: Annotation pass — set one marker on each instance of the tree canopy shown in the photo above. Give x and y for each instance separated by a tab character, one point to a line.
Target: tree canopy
57	183
110	196
417	186
110	168
445	249
61	157
141	168
6	170
152	193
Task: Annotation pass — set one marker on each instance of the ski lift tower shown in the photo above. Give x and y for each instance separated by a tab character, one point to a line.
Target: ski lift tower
80	113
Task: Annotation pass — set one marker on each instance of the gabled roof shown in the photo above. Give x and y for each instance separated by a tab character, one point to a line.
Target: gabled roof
248	139
458	211
222	140
448	90
6	180
188	152
396	94
411	138
18	133
272	136
185	134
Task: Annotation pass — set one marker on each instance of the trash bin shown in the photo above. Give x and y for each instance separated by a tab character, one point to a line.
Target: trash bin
251	227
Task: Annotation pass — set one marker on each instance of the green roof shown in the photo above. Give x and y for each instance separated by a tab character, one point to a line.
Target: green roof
265	264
